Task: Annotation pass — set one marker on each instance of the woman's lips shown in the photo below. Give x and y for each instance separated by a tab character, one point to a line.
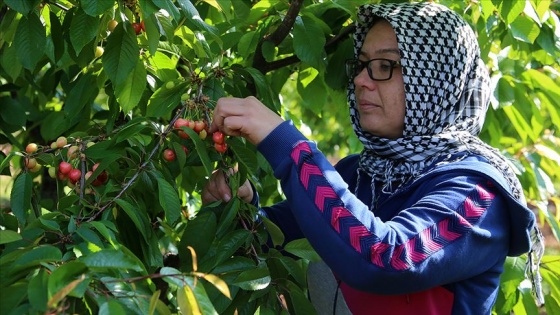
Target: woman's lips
365	106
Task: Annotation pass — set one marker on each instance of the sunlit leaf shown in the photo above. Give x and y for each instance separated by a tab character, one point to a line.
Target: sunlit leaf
82	30
129	93
121	53
30	41
23	7
254	279
110	258
169	200
309	42
96	7
20	198
8	236
187	301
303	249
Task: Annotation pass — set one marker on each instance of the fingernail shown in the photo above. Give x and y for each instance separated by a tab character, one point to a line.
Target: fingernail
227	197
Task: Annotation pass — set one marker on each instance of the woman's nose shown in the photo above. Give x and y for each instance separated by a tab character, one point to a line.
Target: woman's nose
363	79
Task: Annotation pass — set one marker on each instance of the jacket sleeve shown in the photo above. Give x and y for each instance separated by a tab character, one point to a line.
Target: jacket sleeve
456	228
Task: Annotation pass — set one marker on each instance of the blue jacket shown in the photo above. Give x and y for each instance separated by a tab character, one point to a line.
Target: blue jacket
435	247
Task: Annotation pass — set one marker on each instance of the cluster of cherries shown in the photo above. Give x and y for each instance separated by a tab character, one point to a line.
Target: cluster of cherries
64	170
200	127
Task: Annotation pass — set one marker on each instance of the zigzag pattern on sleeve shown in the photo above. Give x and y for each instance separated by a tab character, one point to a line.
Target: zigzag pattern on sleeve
392	256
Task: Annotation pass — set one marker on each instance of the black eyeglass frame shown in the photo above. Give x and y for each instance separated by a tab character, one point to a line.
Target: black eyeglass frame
352	64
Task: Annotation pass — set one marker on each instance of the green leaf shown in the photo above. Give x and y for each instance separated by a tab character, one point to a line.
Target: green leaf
229	213
170	7
82	30
138	217
11	111
511	9
152	33
30	41
96	7
262	85
112	307
54	124
165	99
20	198
10	62
65	275
199	234
300	302
82	94
303	249
309	42
121	53
37	291
169	200
273	231
193	17
38	255
187	301
201	150
8	236
231	243
112	259
254	279
525	29
23	7
129	93
12	296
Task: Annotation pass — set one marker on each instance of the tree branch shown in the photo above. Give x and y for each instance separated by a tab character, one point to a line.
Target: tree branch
330	46
279	34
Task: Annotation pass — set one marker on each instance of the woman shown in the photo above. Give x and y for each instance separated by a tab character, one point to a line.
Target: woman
421	221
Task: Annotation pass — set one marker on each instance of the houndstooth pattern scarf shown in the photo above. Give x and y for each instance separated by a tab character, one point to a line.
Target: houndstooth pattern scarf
447	94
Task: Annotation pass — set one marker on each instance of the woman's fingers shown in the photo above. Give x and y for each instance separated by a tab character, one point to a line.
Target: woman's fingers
216	189
246	117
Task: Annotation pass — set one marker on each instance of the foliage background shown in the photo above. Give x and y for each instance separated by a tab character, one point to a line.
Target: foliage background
142	243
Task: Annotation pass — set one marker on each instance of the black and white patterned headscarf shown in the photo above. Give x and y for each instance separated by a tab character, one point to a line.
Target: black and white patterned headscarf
446	90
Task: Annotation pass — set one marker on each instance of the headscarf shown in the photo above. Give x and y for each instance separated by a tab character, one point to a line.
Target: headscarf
447	92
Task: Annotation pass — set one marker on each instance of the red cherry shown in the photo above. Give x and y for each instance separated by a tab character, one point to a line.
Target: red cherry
61	176
137	28
169	155
181	122
220	147
74	175
185	149
199	125
218	137
64	167
142	26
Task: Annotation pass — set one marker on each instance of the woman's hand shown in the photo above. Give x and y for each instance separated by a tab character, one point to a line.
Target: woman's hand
217	188
245	117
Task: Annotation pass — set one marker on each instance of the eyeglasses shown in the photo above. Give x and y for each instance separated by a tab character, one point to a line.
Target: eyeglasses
378	69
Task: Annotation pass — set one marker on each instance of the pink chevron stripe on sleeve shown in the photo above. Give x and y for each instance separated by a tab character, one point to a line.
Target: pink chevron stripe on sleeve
322	193
338	213
302	146
356	234
484	194
396	261
377	250
472	210
307	170
443	228
410	251
427	240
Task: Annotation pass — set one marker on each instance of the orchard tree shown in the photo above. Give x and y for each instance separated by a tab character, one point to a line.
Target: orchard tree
104	114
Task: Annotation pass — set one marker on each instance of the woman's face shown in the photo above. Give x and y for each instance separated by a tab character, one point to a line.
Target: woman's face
381	104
